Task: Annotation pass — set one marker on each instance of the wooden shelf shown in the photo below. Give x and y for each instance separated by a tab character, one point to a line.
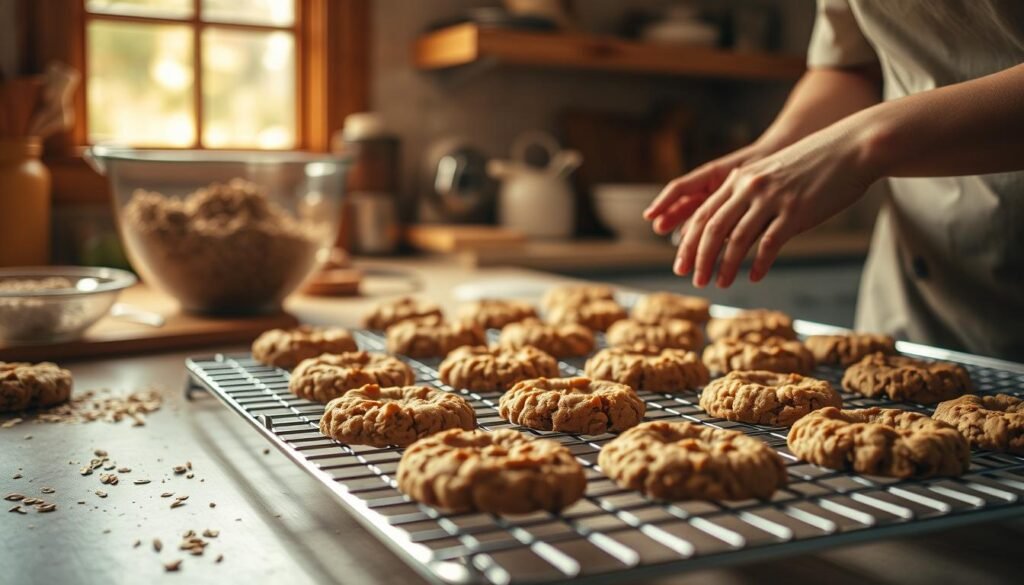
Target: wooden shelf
469	43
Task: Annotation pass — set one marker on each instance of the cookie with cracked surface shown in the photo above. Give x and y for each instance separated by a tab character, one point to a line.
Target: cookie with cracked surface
576	294
24	385
285	348
424	340
767	398
569	340
596	315
994	422
753	324
905	379
388	313
773	354
398	415
848	349
668	333
649	368
496	313
880	441
324	378
656	307
690	461
501	472
495	369
572	405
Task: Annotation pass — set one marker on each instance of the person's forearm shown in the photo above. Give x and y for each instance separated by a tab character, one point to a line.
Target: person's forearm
969	128
820	98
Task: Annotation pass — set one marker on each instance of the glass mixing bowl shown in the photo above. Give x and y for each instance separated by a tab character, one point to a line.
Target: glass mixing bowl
224	232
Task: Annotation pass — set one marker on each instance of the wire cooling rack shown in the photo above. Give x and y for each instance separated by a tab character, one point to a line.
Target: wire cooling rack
613	534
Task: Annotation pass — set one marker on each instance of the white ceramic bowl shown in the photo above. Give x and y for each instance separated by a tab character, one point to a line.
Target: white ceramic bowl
620	206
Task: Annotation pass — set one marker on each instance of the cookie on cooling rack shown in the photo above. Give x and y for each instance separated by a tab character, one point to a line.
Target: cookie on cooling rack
499	472
658	306
24	386
773	354
324	378
848	348
649	368
994	422
572	405
285	348
880	441
690	461
767	398
576	294
759	323
666	333
905	379
380	417
424	340
496	313
597	315
561	341
495	369
388	313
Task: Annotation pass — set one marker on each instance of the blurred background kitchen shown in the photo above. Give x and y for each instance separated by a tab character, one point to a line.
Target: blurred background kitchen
526	133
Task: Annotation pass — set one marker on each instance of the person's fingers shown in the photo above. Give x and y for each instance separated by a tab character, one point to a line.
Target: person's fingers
693	183
743	236
695	227
718	228
778	233
676	214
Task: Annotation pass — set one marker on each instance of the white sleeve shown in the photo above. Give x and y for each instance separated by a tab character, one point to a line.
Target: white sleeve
837	40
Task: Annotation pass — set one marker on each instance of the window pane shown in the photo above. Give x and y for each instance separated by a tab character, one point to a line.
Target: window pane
156	8
248	89
139	89
267	12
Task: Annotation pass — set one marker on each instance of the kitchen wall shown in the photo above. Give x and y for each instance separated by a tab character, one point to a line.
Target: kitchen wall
8	38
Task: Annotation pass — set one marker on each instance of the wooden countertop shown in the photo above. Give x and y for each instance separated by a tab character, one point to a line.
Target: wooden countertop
278	525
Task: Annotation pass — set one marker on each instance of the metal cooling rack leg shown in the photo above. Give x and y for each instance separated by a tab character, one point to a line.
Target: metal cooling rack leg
192	385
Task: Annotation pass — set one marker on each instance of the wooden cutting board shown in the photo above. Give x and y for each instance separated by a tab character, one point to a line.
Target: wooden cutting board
112	336
457	238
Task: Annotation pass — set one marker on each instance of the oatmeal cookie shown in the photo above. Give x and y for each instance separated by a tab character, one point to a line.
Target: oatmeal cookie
399	415
993	423
24	385
848	349
597	315
324	378
496	313
572	405
570	340
285	348
880	441
388	313
906	380
501	472
423	340
578	294
649	368
657	307
773	354
668	333
685	461
495	369
766	398
760	323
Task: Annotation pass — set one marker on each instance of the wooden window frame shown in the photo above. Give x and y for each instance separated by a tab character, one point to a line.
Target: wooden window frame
333	42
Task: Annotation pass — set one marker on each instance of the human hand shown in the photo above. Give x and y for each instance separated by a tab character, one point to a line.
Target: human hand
774	197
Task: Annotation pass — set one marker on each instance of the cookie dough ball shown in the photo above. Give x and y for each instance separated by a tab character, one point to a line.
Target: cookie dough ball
596	315
496	313
773	354
767	398
285	348
994	422
324	378
422	340
656	307
880	441
495	369
499	472
561	341
388	313
667	333
572	405
752	323
577	294
24	386
849	348
380	417
905	379
649	368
